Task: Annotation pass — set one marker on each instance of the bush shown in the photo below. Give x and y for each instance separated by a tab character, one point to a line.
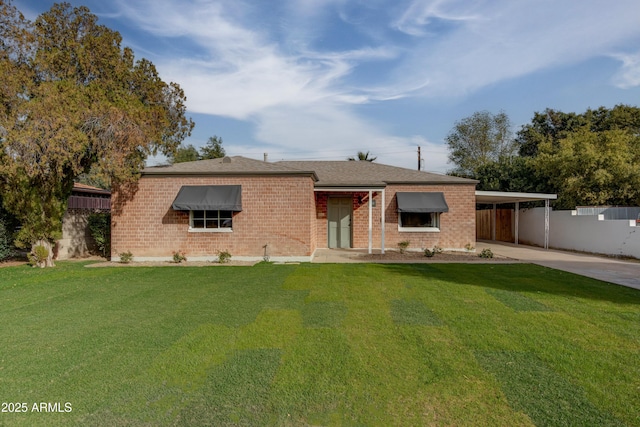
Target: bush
179	256
100	229
224	257
437	250
38	256
486	253
403	246
6	242
126	257
428	253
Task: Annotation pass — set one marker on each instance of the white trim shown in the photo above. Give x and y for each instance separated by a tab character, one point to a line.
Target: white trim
382	221
210	230
418	229
546	224
348	189
517	223
488	197
402	229
370	220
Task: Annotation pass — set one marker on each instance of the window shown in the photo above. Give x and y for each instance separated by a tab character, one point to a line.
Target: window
215	221
419	221
420	211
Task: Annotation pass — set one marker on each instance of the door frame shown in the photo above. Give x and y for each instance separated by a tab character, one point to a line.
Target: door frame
339	235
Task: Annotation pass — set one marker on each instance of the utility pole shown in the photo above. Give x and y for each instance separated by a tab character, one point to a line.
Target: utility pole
419	157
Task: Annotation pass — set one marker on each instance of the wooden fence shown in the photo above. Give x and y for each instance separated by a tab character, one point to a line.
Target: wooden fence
90	203
504	225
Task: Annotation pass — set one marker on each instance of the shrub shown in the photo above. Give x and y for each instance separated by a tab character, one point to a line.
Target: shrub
179	256
486	253
6	242
38	256
469	247
100	228
437	250
403	246
126	257
428	253
224	257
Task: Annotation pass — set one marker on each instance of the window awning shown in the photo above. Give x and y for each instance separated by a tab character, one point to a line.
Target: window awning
209	198
422	202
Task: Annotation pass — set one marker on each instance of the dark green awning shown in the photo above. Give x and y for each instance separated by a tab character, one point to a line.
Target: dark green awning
421	202
209	198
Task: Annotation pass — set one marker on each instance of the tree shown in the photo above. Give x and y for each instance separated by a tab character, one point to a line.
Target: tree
362	156
213	149
185	154
551	126
515	173
479	139
73	99
592	168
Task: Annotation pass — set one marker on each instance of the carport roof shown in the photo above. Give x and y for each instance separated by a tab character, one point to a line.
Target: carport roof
498	197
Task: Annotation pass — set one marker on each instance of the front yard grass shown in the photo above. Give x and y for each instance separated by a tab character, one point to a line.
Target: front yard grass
318	344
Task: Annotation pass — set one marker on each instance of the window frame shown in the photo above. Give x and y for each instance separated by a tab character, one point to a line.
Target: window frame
435	229
207	216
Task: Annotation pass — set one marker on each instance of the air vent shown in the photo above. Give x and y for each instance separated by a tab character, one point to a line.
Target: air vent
226	160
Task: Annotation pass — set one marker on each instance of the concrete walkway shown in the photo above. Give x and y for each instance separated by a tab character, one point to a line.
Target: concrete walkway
620	272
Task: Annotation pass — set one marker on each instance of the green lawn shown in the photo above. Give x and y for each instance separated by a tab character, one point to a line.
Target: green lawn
319	344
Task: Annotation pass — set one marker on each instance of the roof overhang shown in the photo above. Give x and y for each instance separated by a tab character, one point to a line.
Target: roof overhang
349	189
498	197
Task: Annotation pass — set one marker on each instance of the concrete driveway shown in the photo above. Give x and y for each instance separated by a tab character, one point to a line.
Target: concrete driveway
620	272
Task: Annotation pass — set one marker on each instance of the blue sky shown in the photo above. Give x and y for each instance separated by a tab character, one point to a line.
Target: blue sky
324	79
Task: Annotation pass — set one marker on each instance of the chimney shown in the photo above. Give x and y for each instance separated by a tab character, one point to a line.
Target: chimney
266	157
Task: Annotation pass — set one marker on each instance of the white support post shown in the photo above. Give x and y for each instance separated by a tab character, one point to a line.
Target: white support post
382	220
370	220
546	223
517	220
493	222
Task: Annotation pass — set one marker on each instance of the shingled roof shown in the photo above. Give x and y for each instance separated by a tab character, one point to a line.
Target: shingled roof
325	173
236	165
369	174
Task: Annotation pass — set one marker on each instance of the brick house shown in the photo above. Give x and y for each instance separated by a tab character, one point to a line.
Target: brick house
286	210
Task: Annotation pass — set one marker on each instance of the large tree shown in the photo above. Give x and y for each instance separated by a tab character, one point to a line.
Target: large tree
73	99
550	126
478	140
183	154
592	168
212	150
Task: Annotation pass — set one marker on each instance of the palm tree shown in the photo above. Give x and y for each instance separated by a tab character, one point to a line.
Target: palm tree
363	157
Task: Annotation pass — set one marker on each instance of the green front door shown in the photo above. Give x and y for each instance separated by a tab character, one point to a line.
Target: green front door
339	215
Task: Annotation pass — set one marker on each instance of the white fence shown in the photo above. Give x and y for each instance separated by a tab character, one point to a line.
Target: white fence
583	233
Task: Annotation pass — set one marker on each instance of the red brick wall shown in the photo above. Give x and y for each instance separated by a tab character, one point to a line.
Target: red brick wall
457	227
276	211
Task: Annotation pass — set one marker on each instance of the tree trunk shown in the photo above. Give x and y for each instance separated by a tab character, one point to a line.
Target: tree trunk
40	260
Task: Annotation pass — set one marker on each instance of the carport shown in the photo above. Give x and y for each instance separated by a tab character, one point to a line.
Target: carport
495	198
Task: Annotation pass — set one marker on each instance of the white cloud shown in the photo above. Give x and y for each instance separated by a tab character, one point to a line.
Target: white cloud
416	19
327	132
498	40
263	68
629	74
